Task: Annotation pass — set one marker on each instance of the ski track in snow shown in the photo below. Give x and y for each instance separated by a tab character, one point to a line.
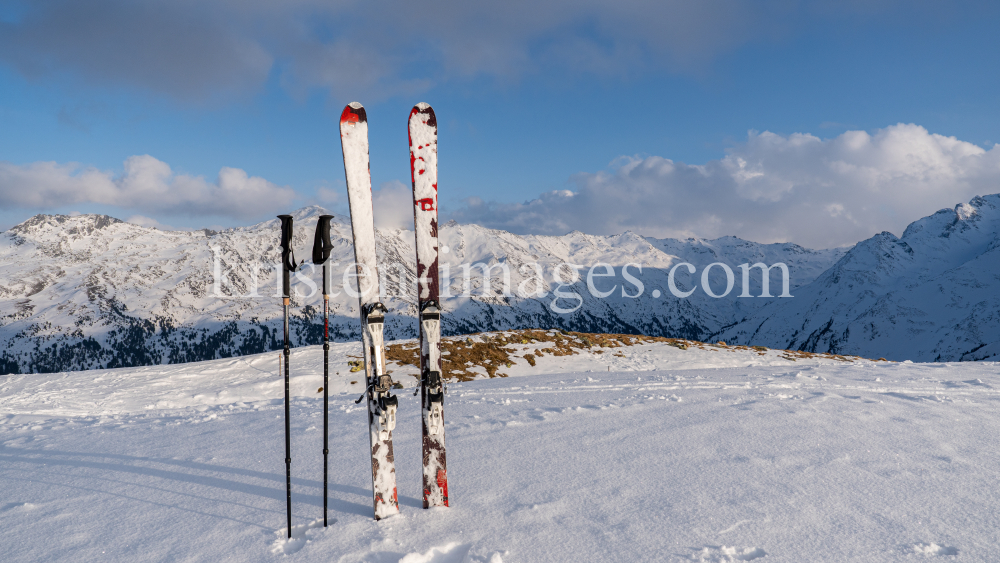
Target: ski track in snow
803	461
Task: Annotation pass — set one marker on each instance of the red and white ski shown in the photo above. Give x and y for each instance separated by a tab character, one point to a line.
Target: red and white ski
423	171
381	403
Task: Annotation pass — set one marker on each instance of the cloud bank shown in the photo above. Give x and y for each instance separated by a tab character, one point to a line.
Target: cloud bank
772	188
146	184
197	50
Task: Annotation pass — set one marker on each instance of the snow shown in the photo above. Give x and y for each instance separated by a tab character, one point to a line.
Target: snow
710	454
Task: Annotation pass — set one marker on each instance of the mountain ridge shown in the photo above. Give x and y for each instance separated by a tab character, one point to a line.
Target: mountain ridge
929	295
93	291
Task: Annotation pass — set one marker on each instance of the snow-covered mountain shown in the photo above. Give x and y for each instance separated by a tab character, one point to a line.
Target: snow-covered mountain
92	291
931	295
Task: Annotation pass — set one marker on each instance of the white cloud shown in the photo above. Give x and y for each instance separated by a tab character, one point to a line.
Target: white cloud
328	196
393	203
149	222
144	221
146	184
799	188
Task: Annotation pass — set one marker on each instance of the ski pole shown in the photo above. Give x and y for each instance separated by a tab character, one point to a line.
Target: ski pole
288	265
321	252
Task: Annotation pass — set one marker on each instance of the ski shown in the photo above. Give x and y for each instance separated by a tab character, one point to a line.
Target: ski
423	172
381	402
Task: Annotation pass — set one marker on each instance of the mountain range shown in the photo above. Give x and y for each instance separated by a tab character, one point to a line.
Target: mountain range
931	295
91	291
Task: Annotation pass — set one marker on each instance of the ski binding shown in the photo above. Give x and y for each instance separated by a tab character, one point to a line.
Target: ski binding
385	405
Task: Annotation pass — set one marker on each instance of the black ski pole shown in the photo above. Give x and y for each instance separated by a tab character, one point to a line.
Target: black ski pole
321	252
288	265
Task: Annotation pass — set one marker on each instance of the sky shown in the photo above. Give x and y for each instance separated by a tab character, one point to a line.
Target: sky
820	123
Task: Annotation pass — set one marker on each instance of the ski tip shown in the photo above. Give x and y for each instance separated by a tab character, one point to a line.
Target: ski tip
354	112
425	109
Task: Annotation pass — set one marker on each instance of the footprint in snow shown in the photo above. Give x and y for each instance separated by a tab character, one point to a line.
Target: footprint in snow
725	554
453	552
301	534
544	413
931	549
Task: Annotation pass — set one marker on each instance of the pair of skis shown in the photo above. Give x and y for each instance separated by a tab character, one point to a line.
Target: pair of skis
382	403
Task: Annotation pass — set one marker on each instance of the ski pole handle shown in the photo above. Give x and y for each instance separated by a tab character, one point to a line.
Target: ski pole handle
322	247
287	255
321	243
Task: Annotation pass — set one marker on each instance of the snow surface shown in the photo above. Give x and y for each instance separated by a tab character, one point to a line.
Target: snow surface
672	455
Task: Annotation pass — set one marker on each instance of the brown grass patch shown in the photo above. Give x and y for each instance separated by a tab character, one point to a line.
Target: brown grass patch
495	350
492	351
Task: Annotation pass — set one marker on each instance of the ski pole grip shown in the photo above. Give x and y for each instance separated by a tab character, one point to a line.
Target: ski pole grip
322	244
287	254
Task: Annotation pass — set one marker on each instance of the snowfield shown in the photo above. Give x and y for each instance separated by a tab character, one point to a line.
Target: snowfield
639	453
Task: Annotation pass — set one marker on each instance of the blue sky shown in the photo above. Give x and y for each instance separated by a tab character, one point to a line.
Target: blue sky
668	118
